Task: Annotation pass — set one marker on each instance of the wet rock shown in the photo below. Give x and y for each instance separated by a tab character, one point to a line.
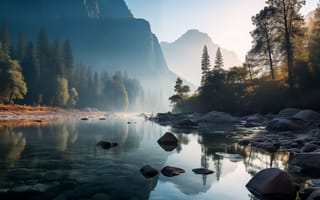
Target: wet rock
148	171
256	118
314	182
288	112
308	162
244	142
84	118
305	193
186	123
272	183
267	146
307	115
101	196
168	141
202	171
217	117
107	144
172	171
315	195
252	124
309	148
285	124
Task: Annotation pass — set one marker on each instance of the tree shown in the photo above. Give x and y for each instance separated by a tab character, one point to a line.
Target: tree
21	47
56	60
263	37
68	58
314	44
288	22
73	98
12	85
205	65
61	94
218	63
181	91
5	37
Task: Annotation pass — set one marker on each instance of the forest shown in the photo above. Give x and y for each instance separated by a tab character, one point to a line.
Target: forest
282	69
44	73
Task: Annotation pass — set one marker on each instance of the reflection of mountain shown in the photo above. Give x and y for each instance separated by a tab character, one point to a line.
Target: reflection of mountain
184	55
12	145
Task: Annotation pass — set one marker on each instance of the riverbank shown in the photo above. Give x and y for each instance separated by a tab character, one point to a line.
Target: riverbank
26	114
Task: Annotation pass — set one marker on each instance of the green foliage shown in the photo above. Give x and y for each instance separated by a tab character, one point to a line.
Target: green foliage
62	93
218	63
12	85
73	98
181	92
5	37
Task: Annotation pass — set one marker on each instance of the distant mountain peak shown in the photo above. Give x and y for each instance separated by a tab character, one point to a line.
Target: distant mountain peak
194	35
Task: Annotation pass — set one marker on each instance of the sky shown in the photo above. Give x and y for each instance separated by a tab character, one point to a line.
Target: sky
228	22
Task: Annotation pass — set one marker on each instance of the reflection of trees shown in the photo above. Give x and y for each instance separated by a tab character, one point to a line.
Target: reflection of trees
182	140
257	159
11	146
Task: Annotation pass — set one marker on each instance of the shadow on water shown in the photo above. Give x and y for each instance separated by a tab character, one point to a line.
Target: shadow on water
61	160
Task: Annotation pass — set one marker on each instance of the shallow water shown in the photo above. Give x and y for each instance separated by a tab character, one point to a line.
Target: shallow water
60	160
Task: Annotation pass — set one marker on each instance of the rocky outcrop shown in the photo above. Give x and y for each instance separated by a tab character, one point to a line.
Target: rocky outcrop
272	183
168	141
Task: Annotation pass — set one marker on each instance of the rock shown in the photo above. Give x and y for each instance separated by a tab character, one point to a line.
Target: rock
186	123
309	148
315	195
305	193
272	183
217	117
102	118
285	124
168	141
202	171
308	115
148	172
314	182
288	112
172	171
84	118
106	144
244	142
256	118
308	162
267	146
252	124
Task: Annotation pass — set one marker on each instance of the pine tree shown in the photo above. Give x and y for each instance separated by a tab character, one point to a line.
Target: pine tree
68	58
21	47
205	65
5	37
43	52
56	60
218	63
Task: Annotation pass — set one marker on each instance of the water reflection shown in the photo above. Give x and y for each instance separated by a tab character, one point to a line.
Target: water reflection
61	160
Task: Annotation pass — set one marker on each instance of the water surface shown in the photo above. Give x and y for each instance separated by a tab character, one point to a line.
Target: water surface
60	160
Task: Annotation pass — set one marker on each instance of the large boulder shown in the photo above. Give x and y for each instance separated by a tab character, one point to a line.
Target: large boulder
308	115
272	183
314	195
308	162
288	112
168	141
217	117
172	171
285	124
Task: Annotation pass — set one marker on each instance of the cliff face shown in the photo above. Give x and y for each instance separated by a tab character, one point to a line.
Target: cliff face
104	33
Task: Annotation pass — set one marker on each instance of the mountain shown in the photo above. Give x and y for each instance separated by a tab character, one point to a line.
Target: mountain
184	55
104	34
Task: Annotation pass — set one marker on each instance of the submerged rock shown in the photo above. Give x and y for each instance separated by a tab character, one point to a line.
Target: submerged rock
107	144
202	171
148	172
172	171
168	141
272	183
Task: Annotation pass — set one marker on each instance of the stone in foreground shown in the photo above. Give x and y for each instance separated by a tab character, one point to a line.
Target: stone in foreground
148	172
168	141
172	171
107	144
202	171
272	183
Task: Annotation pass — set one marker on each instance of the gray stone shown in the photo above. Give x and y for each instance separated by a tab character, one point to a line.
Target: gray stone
148	171
168	141
172	171
272	183
202	171
309	162
288	112
307	115
285	124
315	195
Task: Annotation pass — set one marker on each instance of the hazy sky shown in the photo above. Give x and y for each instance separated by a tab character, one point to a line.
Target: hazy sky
228	22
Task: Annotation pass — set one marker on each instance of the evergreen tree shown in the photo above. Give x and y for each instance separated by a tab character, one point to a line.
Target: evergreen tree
12	85
264	38
68	58
218	63
43	53
56	60
288	22
181	91
205	65
21	47
5	37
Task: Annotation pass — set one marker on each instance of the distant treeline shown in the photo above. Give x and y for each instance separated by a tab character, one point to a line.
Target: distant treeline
281	70
44	73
